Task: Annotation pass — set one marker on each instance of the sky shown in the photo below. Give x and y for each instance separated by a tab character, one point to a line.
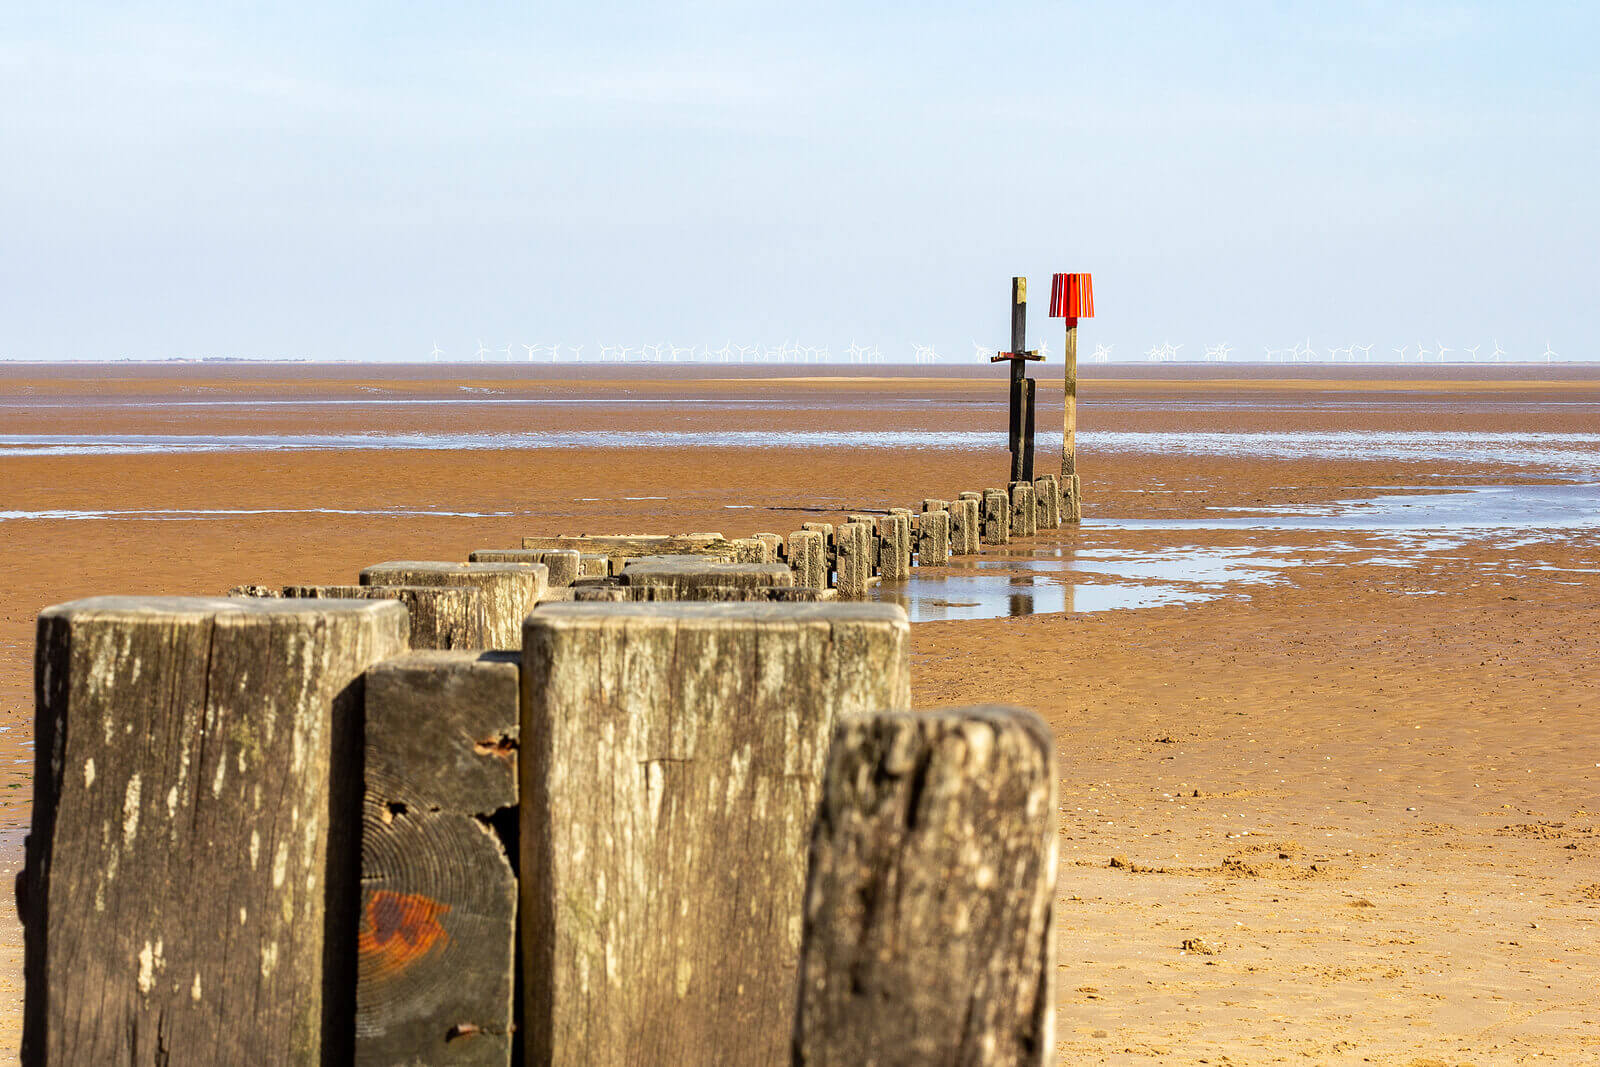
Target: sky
369	180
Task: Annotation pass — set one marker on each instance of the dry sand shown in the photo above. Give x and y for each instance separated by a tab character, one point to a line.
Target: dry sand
1366	795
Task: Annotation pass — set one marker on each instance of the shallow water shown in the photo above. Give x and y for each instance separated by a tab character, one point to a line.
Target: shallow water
1039	577
1575	454
932	597
1468	508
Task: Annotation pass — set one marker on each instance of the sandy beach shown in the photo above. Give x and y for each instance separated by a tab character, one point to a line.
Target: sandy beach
1348	755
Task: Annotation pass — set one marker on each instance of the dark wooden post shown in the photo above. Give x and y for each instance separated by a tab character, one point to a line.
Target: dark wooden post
1028	385
928	896
190	890
438	893
672	759
1021	391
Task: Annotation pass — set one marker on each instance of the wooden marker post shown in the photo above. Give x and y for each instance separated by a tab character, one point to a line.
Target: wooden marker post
1071	298
1021	426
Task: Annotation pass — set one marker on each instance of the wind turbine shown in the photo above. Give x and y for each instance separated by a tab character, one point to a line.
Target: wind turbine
1153	353
577	354
855	351
1550	353
1102	354
436	353
1498	352
554	350
1366	353
1422	353
622	352
1473	353
531	350
1442	350
507	351
482	351
1401	352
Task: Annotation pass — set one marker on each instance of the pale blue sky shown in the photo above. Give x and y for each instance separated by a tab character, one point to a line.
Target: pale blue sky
360	180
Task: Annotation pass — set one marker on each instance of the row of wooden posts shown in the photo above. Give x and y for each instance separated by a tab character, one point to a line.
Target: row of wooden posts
446	816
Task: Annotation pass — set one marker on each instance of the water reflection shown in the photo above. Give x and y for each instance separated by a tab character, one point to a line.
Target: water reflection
936	596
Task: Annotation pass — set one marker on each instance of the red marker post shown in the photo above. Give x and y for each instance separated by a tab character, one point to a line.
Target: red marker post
1071	298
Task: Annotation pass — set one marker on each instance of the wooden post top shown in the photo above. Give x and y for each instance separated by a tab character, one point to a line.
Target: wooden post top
133	607
434	566
593	613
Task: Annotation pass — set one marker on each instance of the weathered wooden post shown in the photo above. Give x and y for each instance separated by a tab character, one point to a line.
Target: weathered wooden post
856	555
808	558
676	574
933	538
190	889
671	763
827	531
996	517
894	546
751	550
1047	497
1022	387
564	564
928	899
1071	298
442	616
966	525
438	894
774	543
510	590
619	547
1024	513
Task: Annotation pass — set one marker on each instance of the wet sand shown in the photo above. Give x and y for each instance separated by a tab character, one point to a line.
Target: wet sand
1370	784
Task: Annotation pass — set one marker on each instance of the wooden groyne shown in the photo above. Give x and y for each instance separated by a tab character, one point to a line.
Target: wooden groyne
589	800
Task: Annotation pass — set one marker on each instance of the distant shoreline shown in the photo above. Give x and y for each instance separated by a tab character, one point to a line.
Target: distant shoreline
351	369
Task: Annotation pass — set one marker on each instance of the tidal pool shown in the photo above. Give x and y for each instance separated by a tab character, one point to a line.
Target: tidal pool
1038	577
